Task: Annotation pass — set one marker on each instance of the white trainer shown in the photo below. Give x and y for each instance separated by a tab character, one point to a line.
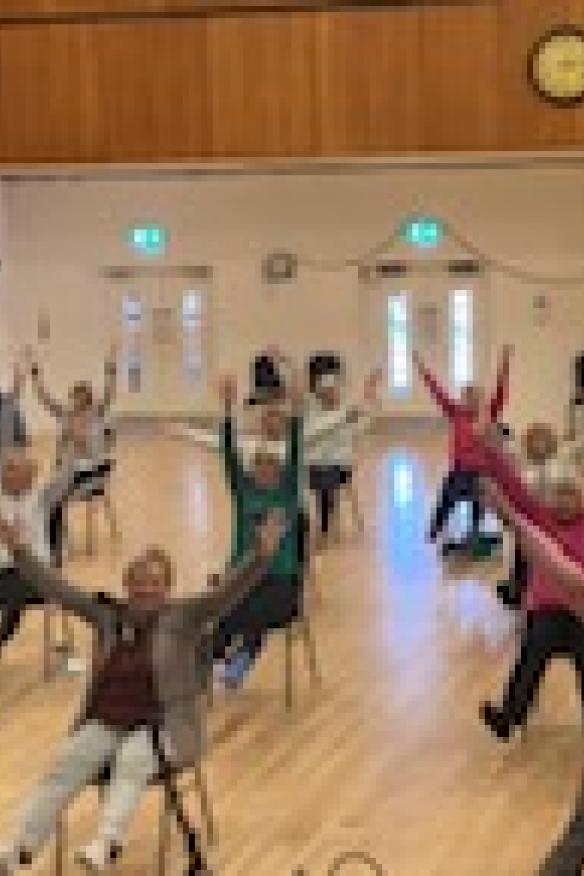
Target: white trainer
98	856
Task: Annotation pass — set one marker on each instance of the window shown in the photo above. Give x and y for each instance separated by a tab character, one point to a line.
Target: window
192	335
399	370
461	337
131	352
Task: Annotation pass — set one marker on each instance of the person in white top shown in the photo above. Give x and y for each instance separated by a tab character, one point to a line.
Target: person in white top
85	442
29	507
329	435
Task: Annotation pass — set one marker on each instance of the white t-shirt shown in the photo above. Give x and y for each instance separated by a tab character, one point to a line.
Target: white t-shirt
329	436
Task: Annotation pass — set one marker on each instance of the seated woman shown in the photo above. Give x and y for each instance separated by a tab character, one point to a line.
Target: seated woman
145	694
86	439
267	483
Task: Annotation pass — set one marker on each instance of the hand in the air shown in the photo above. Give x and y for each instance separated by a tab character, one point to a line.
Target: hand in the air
269	533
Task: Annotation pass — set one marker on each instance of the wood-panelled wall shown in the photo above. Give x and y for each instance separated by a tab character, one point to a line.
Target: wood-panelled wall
310	83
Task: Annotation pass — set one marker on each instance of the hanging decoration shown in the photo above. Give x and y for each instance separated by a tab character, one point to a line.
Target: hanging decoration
366	261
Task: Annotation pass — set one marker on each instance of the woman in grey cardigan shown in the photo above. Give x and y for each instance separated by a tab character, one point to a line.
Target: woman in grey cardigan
150	674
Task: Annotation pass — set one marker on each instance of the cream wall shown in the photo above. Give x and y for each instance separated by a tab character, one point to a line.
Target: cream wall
57	236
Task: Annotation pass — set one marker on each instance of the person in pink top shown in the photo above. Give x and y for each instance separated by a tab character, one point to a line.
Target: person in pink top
551	626
466	415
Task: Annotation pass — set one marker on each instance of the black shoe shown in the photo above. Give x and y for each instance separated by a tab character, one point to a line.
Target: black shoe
507	597
496	721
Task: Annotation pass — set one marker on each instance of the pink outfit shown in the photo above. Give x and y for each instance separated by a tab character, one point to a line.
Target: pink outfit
543	592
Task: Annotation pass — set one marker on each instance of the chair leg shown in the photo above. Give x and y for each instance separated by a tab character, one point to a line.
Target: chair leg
288	685
48	611
90	527
206	807
164	835
358	521
310	650
60	844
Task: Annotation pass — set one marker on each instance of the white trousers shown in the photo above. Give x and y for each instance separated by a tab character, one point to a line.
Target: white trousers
134	763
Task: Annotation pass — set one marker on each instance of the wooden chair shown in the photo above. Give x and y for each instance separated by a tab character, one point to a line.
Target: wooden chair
300	627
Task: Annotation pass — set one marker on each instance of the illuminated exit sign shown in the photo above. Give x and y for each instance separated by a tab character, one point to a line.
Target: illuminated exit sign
422	232
148	240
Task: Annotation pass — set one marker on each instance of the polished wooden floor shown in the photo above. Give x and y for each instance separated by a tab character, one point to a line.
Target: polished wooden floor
388	757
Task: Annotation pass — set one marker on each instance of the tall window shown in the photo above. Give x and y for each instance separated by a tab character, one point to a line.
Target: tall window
398	336
131	330
192	324
461	337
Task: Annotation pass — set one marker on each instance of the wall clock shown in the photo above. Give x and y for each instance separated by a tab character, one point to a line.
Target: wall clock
556	66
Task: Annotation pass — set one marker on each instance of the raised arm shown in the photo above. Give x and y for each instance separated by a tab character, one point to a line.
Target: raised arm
110	382
437	391
54	407
226	590
228	433
50	583
540	547
500	396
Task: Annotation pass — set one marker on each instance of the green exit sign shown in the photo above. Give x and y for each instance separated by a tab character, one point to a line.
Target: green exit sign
422	232
148	240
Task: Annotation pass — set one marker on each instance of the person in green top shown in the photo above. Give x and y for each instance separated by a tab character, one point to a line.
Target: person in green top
270	481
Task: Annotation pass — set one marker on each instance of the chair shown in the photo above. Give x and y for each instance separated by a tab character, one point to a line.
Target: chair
301	627
56	651
164	818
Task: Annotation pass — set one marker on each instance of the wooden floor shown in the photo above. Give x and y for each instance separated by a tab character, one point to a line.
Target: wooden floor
389	757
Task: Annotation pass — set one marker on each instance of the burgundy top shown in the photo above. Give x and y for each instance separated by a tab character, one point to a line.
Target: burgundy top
124	694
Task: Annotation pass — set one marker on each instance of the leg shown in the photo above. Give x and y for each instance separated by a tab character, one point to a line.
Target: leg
84	755
511	592
539	642
447	499
135	765
12	612
575	650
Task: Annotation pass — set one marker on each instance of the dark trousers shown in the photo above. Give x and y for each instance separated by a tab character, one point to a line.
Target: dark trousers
547	634
16	595
325	482
567	856
459	485
518	575
273	604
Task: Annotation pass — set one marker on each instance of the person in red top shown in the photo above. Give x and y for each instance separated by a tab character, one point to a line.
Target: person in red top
466	415
551	627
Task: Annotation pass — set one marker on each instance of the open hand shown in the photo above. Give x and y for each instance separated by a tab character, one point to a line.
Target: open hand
9	535
269	533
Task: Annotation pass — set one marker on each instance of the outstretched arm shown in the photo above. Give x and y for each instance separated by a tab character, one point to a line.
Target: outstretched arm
540	547
437	391
54	407
500	397
228	433
50	583
230	588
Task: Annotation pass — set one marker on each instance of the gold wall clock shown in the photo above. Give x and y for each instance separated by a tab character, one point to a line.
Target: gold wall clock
556	66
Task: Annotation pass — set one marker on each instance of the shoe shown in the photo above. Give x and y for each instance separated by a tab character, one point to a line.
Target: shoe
236	668
12	858
506	596
496	721
98	856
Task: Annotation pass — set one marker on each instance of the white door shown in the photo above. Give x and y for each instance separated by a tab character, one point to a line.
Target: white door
163	326
445	318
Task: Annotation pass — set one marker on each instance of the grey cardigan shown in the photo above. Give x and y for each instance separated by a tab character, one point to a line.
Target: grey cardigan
181	653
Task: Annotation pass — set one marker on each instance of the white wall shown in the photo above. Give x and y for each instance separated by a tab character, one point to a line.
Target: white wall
59	234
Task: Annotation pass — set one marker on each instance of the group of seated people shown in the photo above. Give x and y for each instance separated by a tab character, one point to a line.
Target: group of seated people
154	654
